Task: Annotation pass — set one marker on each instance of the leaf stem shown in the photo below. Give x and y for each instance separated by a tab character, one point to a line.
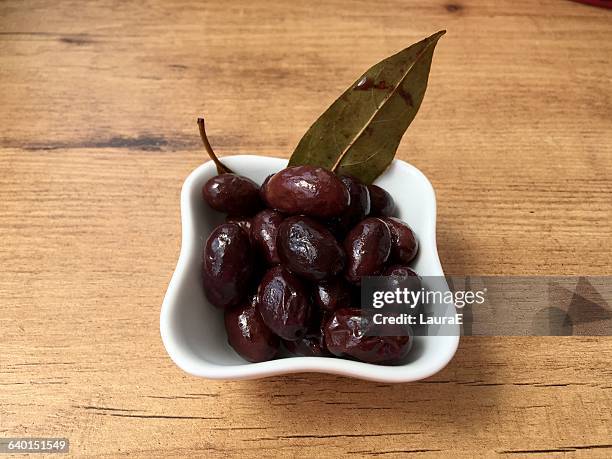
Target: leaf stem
221	168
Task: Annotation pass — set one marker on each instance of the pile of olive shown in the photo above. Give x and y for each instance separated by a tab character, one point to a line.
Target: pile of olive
287	264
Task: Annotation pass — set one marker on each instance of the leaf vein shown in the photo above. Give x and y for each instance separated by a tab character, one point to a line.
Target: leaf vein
417	58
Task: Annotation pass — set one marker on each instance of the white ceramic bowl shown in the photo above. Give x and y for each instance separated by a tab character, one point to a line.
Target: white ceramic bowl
193	332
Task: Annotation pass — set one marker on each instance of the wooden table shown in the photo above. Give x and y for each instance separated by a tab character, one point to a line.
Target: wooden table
97	132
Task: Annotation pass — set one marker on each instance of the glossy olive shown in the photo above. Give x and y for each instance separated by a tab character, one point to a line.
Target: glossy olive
402	272
262	189
313	343
359	206
367	247
308	346
284	304
232	194
308	248
403	277
242	222
227	265
381	202
307	190
264	230
248	334
348	334
404	245
332	294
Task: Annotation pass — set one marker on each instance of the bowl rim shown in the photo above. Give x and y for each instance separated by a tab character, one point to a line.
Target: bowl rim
343	367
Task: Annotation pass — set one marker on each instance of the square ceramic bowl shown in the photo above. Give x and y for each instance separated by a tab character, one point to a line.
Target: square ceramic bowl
193	332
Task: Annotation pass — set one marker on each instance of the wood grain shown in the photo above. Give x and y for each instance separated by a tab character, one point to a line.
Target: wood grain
97	132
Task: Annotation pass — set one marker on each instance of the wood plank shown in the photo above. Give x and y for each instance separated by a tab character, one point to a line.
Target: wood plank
98	131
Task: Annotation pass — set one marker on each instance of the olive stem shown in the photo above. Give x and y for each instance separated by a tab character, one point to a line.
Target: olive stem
221	168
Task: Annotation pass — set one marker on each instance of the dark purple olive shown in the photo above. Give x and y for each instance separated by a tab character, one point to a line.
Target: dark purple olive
308	346
367	247
307	190
227	265
232	194
308	248
284	304
350	333
262	189
247	333
403	272
359	206
264	229
403	277
332	294
242	222
313	343
404	245
381	202
336	228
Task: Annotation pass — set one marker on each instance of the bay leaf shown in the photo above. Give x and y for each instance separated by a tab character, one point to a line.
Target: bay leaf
359	133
